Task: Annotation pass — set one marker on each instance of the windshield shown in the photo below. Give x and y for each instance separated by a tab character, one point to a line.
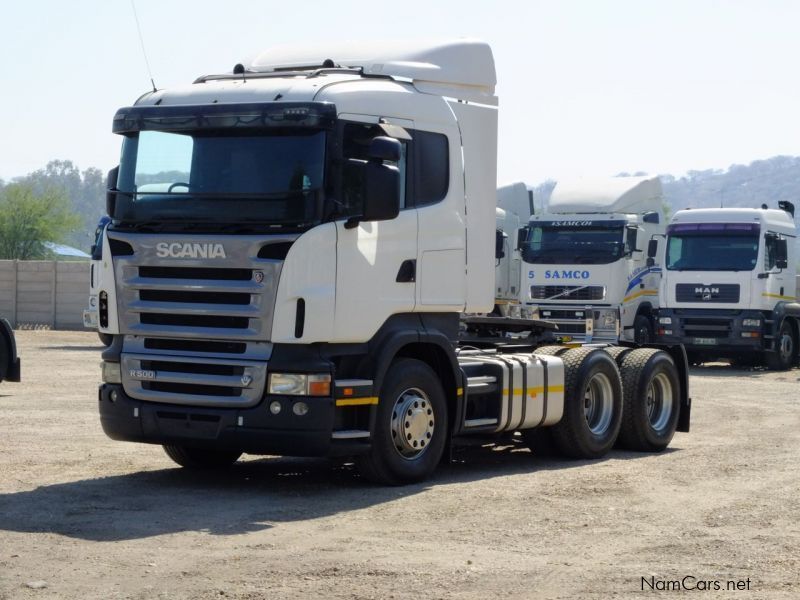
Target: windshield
574	242
712	247
222	177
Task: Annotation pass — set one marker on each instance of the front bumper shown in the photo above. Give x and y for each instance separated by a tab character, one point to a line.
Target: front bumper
708	332
252	430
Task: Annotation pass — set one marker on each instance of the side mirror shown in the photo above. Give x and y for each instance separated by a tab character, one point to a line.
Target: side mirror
111	190
499	243
652	248
381	191
651	217
385	148
522	237
781	254
631	239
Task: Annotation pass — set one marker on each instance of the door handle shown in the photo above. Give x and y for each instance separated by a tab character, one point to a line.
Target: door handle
407	272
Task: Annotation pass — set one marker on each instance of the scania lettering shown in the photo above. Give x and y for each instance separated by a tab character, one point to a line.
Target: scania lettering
728	290
353	190
615	297
178	250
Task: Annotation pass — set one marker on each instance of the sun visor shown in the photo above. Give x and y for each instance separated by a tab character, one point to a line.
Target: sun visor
394	131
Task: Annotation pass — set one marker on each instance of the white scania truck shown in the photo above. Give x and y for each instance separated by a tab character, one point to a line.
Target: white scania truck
514	207
585	266
728	288
292	248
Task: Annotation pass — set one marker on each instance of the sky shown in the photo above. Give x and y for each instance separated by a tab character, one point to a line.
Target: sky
592	87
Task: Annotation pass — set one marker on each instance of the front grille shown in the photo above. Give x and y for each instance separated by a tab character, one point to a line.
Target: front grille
194	297
209	321
177	345
705	327
193	381
568	292
196	273
712	293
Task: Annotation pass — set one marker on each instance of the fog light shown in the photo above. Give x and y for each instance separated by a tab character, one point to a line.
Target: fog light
275	407
300	408
114	396
665	320
750	334
751	322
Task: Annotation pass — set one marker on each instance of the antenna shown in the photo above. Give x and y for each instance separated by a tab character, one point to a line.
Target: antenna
141	42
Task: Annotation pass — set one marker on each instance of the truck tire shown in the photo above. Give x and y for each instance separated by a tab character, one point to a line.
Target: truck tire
651	400
105	338
592	404
642	330
202	458
5	356
551	350
410	430
617	352
785	348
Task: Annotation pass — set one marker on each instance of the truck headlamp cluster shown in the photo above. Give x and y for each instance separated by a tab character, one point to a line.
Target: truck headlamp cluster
605	319
665	320
300	384
111	372
751	322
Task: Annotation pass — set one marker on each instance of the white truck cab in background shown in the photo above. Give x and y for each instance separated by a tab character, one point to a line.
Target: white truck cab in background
584	259
728	287
514	208
90	320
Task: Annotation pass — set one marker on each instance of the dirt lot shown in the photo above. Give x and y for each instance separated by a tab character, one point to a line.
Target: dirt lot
91	518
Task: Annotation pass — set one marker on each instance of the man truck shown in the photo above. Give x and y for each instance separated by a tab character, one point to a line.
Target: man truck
728	289
293	246
585	267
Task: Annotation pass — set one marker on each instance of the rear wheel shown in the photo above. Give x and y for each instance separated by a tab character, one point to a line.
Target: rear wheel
551	350
651	400
592	404
202	458
785	345
410	427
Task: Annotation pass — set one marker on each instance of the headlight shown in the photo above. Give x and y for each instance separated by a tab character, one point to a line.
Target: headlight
665	320
605	319
300	384
751	322
111	372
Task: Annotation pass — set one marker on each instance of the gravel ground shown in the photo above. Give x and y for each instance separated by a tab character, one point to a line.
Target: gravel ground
84	517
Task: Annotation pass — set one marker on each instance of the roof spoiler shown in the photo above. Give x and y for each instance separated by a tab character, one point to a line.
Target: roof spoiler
787	206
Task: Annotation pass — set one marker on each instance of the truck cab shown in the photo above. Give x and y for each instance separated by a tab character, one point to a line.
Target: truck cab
728	287
584	259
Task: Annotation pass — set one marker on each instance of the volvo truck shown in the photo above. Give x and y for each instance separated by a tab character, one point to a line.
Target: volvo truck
585	265
728	289
292	249
9	361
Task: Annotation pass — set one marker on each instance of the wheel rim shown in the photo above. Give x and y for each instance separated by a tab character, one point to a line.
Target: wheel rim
786	345
659	401
413	423
598	404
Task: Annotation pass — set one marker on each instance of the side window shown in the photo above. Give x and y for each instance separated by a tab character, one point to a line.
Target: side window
770	251
356	138
432	176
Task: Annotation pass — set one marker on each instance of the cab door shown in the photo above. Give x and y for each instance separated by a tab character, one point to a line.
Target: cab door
375	261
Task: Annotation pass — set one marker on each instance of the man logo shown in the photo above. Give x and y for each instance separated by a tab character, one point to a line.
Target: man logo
187	250
706	293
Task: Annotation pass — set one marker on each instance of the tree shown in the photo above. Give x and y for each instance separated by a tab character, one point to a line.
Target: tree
29	218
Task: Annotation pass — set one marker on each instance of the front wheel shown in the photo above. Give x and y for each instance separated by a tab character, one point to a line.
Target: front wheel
785	344
105	338
410	430
642	330
202	458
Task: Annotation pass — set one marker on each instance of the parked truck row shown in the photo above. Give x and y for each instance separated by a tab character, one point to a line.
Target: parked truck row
293	248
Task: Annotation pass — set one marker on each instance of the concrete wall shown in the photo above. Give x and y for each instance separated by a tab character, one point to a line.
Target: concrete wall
44	292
